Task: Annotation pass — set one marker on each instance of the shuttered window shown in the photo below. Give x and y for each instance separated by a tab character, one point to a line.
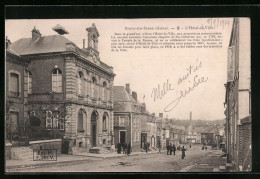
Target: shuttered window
14	83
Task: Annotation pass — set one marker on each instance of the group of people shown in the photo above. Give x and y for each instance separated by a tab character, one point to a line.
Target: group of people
172	149
126	148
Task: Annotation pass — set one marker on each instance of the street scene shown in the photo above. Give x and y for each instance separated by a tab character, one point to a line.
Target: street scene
196	160
97	95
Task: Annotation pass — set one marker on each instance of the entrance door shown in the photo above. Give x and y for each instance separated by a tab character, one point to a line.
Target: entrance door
143	139
122	137
94	129
94	135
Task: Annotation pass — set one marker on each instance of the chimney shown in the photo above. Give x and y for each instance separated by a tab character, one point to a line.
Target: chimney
83	43
35	34
7	43
134	95
161	115
190	115
127	87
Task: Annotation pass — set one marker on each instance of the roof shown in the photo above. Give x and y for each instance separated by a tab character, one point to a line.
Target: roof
198	129
45	44
121	95
211	129
10	51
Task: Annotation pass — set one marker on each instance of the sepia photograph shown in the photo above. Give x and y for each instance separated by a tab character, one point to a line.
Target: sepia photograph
128	95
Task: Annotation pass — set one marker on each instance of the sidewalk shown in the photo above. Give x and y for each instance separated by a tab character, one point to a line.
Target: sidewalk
212	163
62	159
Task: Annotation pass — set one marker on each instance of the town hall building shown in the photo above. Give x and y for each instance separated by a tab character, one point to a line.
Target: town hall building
71	90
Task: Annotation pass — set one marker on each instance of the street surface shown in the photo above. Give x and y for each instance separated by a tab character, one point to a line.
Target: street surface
153	162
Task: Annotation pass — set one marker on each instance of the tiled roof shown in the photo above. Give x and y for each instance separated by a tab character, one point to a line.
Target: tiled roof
45	44
120	95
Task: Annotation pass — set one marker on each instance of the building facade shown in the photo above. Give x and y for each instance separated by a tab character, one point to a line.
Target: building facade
71	92
17	87
130	118
238	94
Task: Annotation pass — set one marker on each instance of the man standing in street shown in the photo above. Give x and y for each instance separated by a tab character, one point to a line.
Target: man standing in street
171	148
183	152
159	148
174	149
168	149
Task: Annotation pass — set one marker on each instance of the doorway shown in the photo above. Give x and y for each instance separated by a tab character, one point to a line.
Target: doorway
122	136
143	139
94	129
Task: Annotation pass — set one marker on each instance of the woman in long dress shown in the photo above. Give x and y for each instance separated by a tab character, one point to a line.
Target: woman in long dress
183	152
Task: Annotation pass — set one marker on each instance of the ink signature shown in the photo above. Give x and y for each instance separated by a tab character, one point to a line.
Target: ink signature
183	94
157	93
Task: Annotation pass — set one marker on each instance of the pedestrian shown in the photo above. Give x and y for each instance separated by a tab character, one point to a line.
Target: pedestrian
174	149
159	148
124	145
168	149
206	148
171	148
146	147
190	146
129	148
183	152
119	148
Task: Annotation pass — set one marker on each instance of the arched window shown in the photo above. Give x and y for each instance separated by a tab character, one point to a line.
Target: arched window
80	121
80	83
105	121
29	82
94	88
104	91
57	80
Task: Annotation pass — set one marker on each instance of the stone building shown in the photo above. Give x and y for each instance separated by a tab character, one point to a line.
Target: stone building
238	97
71	92
130	118
17	85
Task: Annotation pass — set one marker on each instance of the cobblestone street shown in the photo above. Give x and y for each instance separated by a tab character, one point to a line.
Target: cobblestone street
142	163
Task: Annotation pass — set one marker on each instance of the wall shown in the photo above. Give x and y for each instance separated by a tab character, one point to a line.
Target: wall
245	147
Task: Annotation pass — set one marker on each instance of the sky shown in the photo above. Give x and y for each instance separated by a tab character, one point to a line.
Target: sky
145	69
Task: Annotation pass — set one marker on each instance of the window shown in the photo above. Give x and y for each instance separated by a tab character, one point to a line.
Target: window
61	124
104	91
14	84
14	121
80	121
48	120
55	120
57	80
80	83
93	87
29	82
105	121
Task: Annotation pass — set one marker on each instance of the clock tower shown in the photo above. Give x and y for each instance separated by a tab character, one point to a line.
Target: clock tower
93	42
